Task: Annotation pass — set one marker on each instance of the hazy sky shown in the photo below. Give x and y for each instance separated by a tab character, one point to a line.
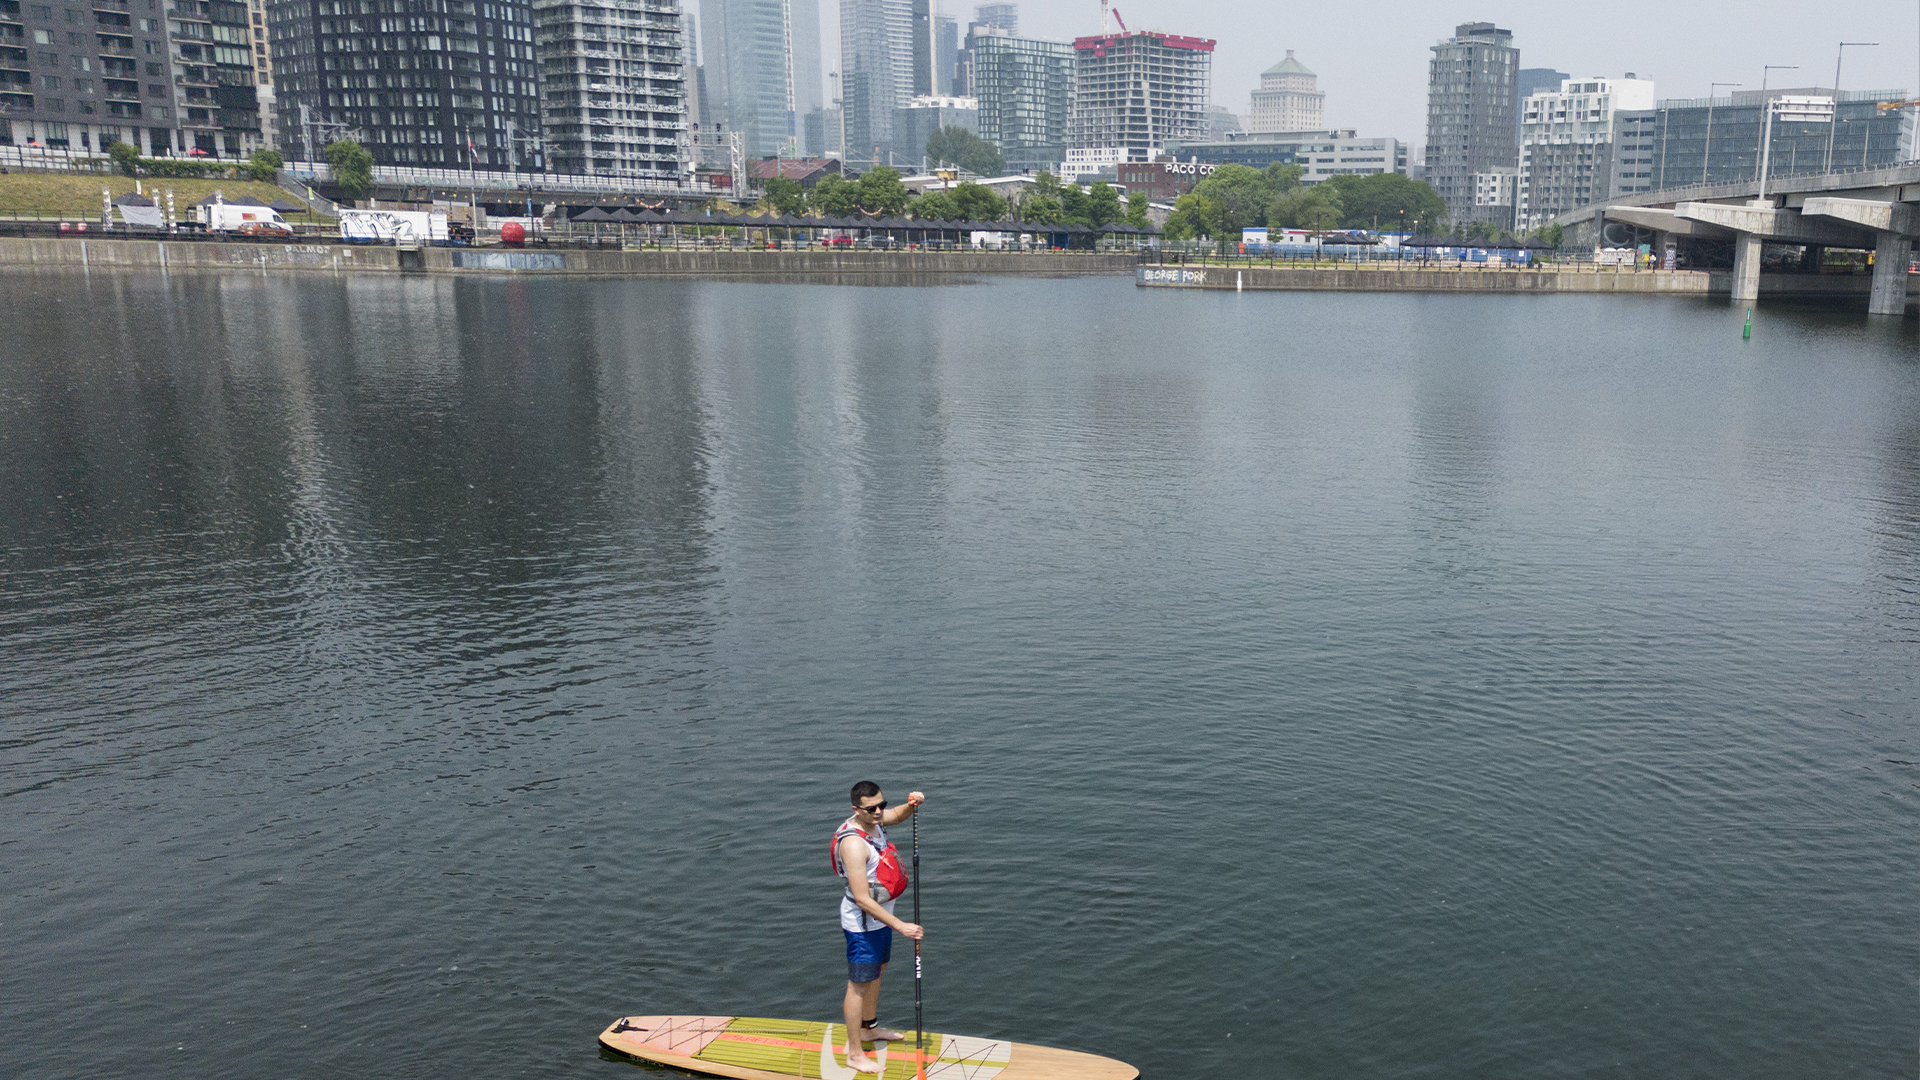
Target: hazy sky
1372	57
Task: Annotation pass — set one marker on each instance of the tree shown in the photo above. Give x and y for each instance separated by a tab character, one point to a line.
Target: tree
1551	234
1193	215
1239	194
1317	207
1041	203
1073	205
975	202
126	156
935	206
834	195
1103	205
1481	230
1283	178
784	195
1040	208
264	165
1242	195
1137	209
880	192
958	146
1388	201
352	168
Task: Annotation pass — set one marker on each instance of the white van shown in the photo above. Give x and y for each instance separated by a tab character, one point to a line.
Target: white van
253	220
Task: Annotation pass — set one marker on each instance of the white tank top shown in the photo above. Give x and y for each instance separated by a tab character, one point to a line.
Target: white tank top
851	916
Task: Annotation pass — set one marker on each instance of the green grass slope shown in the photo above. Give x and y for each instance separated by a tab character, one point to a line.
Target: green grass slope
78	197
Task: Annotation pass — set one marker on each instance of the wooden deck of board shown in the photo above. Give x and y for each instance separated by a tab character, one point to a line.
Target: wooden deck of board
1024	1061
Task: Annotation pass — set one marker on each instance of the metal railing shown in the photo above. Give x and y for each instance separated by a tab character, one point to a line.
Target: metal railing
1392	259
1791	184
77	228
70	160
497	180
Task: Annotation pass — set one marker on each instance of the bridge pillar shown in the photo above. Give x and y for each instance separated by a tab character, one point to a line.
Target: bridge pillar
1891	253
1746	266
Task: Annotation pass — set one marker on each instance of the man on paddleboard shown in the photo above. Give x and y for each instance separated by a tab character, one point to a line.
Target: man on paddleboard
863	856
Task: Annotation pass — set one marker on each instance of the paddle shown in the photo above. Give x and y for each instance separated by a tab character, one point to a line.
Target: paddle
919	1016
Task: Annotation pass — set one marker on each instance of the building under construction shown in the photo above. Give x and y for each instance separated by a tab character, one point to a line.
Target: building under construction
1134	92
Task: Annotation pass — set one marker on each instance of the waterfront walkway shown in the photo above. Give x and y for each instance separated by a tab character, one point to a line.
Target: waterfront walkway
1249	275
813	264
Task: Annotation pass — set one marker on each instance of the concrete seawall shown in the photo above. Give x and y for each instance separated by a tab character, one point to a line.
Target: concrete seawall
1449	279
813	264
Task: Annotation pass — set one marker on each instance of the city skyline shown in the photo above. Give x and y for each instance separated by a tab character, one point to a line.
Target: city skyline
1381	86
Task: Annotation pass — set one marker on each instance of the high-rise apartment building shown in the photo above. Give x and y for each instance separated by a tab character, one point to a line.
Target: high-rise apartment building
78	79
1567	143
1024	89
766	54
946	54
613	86
1686	141
1472	103
213	74
1223	123
263	73
1132	94
999	16
1531	81
1289	99
417	84
916	121
877	74
692	71
922	48
820	133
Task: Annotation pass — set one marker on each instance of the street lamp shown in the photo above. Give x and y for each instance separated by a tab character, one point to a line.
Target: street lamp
1707	154
1832	131
515	137
1759	167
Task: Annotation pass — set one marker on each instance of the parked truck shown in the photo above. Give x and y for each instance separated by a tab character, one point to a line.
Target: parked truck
397	226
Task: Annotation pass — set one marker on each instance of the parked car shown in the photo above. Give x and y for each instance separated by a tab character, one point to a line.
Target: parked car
264	228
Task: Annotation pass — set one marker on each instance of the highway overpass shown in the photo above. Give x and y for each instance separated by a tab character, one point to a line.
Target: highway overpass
1874	209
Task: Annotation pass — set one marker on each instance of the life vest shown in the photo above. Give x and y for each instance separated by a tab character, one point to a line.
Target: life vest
884	873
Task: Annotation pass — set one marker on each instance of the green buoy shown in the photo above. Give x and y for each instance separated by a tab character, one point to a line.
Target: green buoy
1746	332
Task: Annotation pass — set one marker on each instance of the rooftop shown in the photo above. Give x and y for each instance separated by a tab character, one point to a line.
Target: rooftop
1289	66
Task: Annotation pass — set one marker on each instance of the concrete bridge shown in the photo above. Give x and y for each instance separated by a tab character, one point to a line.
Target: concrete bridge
1874	209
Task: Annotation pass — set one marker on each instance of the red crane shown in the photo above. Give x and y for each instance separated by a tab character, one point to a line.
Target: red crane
1121	21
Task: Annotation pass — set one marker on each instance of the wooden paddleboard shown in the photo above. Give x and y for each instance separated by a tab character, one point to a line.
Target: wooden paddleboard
755	1048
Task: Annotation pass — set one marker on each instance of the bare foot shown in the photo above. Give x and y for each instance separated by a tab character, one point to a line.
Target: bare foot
859	1061
880	1034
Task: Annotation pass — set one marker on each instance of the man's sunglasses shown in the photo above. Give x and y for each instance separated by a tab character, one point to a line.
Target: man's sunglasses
874	809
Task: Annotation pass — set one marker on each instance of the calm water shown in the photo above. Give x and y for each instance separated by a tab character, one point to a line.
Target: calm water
405	677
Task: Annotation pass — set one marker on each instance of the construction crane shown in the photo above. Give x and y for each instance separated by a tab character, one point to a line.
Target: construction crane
1121	21
1884	105
1104	10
